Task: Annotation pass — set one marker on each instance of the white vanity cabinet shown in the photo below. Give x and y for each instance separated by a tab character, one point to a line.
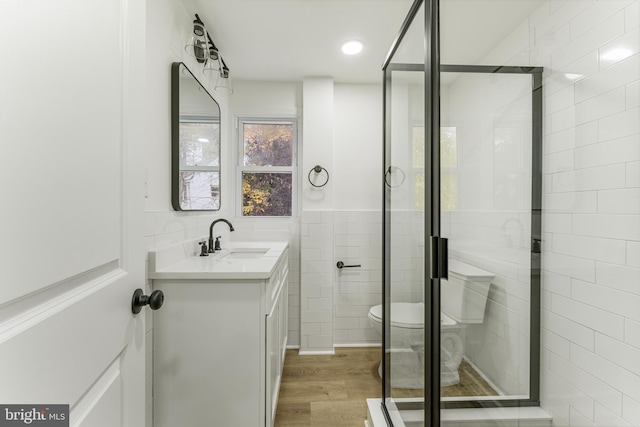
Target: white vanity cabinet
218	348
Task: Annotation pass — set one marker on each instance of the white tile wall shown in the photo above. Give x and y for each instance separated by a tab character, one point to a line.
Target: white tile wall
357	241
591	211
335	303
316	281
591	277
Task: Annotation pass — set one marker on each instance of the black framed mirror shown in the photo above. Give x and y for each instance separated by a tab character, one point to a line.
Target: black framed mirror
195	143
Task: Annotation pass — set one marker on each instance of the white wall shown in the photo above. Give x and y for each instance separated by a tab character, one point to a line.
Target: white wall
340	221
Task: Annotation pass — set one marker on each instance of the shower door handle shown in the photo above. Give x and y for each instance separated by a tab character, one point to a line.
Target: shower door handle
439	261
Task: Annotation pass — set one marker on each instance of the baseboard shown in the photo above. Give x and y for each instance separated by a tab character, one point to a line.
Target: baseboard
316	352
356	345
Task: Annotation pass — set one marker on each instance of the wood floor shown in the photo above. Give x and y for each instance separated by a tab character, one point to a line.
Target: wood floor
330	390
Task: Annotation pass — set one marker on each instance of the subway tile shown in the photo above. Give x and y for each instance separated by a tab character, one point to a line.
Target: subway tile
619	125
620	49
320	303
631	21
597	107
310	242
569	74
631	411
556	283
633	174
608	250
570	330
320	230
625	227
618	352
560	346
596	178
559	100
556	222
570	202
632	332
607	153
320	342
560	16
633	95
552	401
605	298
347	322
563	119
622	201
316	316
310	328
587	383
595	14
618	277
633	254
574	396
577	419
604	417
606	31
614	77
589	316
607	371
547	44
311	217
558	162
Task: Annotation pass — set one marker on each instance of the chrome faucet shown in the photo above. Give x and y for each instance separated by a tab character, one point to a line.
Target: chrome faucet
217	243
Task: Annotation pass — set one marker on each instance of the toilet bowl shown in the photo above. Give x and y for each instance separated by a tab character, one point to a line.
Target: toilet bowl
463	300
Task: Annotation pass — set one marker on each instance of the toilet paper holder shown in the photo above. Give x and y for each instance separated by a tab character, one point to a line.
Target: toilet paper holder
341	264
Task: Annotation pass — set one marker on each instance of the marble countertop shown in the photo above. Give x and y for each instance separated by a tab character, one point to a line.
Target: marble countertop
182	261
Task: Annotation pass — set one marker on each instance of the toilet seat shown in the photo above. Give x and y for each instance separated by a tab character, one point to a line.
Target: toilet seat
403	315
408	315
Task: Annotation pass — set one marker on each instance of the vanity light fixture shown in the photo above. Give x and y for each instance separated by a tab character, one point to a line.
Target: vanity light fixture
201	46
352	47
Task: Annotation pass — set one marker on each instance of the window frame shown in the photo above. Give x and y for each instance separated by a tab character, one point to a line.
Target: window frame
241	168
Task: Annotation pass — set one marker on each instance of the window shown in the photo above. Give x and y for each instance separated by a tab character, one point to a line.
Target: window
267	166
199	163
448	165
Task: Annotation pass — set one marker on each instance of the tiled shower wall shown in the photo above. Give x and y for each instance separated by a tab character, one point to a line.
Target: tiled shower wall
591	202
334	303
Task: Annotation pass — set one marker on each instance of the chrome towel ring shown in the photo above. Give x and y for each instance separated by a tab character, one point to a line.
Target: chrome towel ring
318	169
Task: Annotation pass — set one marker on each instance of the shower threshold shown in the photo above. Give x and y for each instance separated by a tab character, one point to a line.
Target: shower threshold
500	417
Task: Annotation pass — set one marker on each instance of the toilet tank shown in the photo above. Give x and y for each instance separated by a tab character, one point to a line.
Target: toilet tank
464	295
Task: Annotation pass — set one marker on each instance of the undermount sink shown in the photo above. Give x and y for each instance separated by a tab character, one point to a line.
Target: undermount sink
244	253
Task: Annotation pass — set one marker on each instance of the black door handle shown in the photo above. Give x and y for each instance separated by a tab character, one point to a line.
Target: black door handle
139	300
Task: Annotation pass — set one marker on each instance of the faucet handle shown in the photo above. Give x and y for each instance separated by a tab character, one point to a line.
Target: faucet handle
217	244
203	248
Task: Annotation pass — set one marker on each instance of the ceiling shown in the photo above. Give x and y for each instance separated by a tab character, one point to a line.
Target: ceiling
287	40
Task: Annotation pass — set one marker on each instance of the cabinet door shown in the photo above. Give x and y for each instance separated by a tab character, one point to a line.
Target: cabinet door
272	355
284	320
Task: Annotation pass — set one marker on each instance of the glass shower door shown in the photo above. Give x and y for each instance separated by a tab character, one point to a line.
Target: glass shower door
461	219
489	188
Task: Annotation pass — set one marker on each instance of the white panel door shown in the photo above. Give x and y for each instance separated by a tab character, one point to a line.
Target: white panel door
71	246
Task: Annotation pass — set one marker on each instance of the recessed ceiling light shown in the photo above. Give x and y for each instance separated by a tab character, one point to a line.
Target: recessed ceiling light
352	47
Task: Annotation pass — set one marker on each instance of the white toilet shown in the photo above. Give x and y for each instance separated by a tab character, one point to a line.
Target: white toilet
463	300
